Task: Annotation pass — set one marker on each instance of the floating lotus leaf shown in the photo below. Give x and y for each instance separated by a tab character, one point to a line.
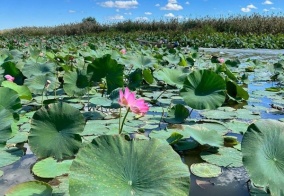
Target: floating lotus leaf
237	126
9	155
204	89
106	67
50	168
174	77
219	114
205	170
23	91
55	131
111	165
75	83
226	157
9	99
263	154
6	118
205	135
30	188
1	173
37	83
18	138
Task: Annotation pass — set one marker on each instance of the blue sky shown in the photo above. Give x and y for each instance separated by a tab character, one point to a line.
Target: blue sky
19	13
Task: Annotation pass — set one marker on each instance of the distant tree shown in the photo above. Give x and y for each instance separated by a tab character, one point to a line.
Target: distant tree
89	19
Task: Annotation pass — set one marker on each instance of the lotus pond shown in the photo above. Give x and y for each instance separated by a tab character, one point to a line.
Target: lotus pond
210	122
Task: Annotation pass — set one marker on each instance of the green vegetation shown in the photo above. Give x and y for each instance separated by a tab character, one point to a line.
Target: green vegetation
254	31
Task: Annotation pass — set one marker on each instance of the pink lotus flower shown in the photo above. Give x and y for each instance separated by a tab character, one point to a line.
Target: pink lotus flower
123	51
127	99
221	60
9	78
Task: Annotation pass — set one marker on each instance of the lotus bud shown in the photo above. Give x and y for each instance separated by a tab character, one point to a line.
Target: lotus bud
9	78
48	82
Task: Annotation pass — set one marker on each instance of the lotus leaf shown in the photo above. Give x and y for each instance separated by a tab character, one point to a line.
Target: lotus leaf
174	77
106	67
9	99
75	83
205	170
23	91
263	154
177	114
9	155
226	157
30	188
111	165
37	69
204	89
205	135
55	131
37	83
5	126
50	168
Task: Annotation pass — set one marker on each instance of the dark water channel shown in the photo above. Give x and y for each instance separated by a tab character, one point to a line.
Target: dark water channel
232	181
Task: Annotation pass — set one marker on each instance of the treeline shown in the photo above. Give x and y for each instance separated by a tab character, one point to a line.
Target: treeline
241	25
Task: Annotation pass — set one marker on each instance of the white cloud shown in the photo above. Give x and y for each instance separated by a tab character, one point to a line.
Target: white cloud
117	17
71	11
251	6
172	5
169	15
265	10
248	8
267	2
157	5
148	13
128	13
142	18
187	3
120	4
117	10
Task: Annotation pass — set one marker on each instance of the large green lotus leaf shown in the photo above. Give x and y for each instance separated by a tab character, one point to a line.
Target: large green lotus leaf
9	155
219	114
263	154
177	114
106	67
9	99
55	131
23	91
204	89
100	101
205	135
205	170
75	83
174	77
110	165
218	126
225	156
30	188
141	61
37	69
37	83
135	79
172	58
50	168
237	126
5	126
